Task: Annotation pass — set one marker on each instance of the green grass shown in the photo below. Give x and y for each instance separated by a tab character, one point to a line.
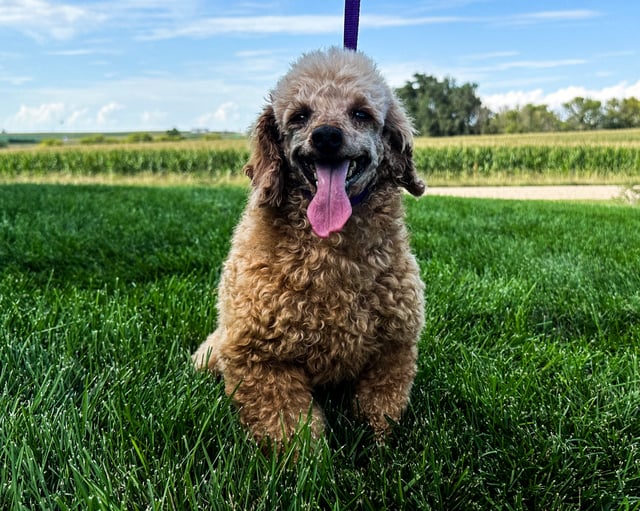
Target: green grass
527	397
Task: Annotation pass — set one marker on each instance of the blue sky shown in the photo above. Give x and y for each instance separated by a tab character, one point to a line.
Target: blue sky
97	65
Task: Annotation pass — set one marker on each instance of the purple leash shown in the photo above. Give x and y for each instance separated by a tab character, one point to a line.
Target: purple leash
351	21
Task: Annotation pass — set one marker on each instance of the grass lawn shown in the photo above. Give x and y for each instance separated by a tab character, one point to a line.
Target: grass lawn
527	397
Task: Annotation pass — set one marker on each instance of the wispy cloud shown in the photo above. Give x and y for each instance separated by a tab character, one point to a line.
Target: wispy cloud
152	118
203	28
149	102
399	21
227	114
254	53
531	64
323	24
74	53
13	79
167	19
106	112
490	55
58	113
615	54
48	114
41	19
548	16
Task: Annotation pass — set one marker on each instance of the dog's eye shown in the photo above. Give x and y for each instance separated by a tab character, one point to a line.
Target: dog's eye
300	117
361	115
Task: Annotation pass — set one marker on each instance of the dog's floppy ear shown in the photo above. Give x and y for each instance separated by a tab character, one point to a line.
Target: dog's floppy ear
264	166
398	134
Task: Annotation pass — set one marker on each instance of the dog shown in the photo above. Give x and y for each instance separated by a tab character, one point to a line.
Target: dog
320	286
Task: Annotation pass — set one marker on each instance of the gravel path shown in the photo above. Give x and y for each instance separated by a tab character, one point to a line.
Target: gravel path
571	192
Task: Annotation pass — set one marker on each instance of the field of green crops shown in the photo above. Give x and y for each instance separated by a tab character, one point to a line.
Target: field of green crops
561	158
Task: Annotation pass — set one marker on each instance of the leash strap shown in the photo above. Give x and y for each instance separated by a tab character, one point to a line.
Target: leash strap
351	22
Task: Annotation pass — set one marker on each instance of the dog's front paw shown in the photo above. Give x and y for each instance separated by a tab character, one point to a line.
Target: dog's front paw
207	356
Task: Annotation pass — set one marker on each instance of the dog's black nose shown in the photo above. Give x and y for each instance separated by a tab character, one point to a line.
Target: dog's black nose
327	139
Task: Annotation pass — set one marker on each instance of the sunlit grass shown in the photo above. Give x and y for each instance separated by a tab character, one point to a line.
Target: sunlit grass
527	394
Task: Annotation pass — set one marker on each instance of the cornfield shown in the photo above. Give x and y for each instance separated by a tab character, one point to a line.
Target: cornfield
461	160
532	161
124	161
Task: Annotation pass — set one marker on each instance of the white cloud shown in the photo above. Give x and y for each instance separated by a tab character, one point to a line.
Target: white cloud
152	118
72	53
556	98
77	117
398	73
141	102
104	114
490	55
49	114
513	99
533	64
373	21
301	24
548	16
202	28
40	18
14	80
244	54
614	54
329	24
227	112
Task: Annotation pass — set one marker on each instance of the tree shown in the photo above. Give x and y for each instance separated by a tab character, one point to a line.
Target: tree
526	119
539	118
583	113
441	108
174	133
623	113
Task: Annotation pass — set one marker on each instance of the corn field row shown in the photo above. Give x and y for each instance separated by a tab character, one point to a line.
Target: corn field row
540	160
452	161
123	161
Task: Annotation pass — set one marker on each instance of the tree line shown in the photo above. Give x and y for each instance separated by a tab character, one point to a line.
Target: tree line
444	108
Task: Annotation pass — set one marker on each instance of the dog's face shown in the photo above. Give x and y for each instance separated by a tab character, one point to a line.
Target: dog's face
334	129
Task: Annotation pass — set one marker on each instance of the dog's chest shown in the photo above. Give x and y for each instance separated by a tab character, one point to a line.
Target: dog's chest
329	313
329	307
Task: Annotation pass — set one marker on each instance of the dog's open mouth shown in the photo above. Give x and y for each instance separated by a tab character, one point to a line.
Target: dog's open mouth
356	168
330	207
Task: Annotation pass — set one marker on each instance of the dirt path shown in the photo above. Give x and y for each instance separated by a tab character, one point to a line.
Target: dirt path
571	192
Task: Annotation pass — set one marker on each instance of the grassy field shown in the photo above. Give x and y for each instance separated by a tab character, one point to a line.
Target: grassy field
527	397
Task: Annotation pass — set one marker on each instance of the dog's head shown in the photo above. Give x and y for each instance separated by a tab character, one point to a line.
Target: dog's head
335	129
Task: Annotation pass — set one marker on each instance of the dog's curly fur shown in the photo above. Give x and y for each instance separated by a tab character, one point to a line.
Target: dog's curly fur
297	310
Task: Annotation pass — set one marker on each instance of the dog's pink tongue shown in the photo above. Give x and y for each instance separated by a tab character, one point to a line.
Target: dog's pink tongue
330	208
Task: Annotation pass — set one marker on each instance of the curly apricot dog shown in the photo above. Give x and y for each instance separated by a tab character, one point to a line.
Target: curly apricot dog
320	286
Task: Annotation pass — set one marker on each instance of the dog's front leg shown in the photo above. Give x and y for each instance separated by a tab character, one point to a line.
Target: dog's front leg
274	400
383	390
207	356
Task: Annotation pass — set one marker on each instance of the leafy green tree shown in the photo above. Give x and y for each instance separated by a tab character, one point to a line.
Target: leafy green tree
539	118
623	113
508	121
583	113
441	108
174	133
526	119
